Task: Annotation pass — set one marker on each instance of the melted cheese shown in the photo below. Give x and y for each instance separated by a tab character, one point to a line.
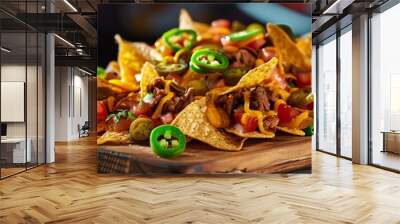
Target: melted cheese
158	111
253	113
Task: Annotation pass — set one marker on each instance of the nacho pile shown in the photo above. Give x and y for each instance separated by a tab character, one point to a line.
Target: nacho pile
220	83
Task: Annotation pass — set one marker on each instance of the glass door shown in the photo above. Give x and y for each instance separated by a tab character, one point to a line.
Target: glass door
385	89
326	96
346	95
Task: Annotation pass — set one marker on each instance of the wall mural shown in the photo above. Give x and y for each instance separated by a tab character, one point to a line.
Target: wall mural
204	88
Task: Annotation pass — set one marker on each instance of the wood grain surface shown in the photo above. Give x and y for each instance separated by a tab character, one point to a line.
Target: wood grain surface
278	155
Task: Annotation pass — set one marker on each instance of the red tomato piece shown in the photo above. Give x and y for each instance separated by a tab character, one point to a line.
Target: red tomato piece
220	83
255	45
142	109
101	111
174	77
237	115
267	54
310	106
286	113
277	77
167	118
251	125
303	79
221	23
122	125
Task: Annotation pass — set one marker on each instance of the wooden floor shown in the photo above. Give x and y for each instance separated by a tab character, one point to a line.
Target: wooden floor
70	191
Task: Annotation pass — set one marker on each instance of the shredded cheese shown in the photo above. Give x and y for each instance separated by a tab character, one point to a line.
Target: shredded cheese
253	113
166	98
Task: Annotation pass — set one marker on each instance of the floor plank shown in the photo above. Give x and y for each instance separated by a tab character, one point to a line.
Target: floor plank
70	191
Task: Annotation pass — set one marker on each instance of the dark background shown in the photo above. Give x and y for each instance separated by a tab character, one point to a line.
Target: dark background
147	22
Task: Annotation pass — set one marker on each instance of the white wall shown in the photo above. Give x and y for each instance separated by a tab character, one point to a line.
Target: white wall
34	125
71	102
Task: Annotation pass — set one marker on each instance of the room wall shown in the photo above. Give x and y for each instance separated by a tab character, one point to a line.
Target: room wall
71	102
16	73
34	125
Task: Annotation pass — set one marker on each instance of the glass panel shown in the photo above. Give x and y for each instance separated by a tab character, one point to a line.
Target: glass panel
31	99
385	84
346	94
327	96
13	77
41	99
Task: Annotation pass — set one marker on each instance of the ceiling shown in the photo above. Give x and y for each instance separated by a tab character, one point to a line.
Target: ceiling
75	21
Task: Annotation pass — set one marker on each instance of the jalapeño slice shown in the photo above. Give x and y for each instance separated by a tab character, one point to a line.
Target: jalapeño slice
209	60
167	141
178	39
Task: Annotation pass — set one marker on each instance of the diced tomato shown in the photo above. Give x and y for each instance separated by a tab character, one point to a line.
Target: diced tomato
174	77
286	113
229	48
278	78
303	79
101	111
122	125
255	45
167	118
267	54
221	23
142	109
251	125
310	106
219	84
237	115
156	121
165	51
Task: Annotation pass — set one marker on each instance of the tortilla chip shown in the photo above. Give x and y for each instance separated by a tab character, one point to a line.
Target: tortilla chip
149	73
293	131
255	76
304	43
147	52
186	22
193	122
106	89
129	59
112	137
289	53
249	134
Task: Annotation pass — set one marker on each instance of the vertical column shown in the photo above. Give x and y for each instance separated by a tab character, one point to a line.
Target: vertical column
50	92
360	90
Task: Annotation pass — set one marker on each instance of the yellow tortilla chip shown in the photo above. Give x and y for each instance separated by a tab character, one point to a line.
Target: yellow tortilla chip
255	76
249	134
289	53
186	22
301	121
129	59
147	52
193	122
106	89
293	131
111	137
149	73
304	43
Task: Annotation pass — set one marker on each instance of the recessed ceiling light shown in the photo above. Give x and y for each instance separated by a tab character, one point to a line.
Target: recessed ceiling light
84	71
64	40
70	5
5	50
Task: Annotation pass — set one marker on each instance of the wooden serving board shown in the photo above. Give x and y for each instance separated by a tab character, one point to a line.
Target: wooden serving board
279	155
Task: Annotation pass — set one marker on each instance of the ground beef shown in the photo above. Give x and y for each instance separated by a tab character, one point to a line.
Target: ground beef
157	83
158	95
178	103
261	96
244	59
270	122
